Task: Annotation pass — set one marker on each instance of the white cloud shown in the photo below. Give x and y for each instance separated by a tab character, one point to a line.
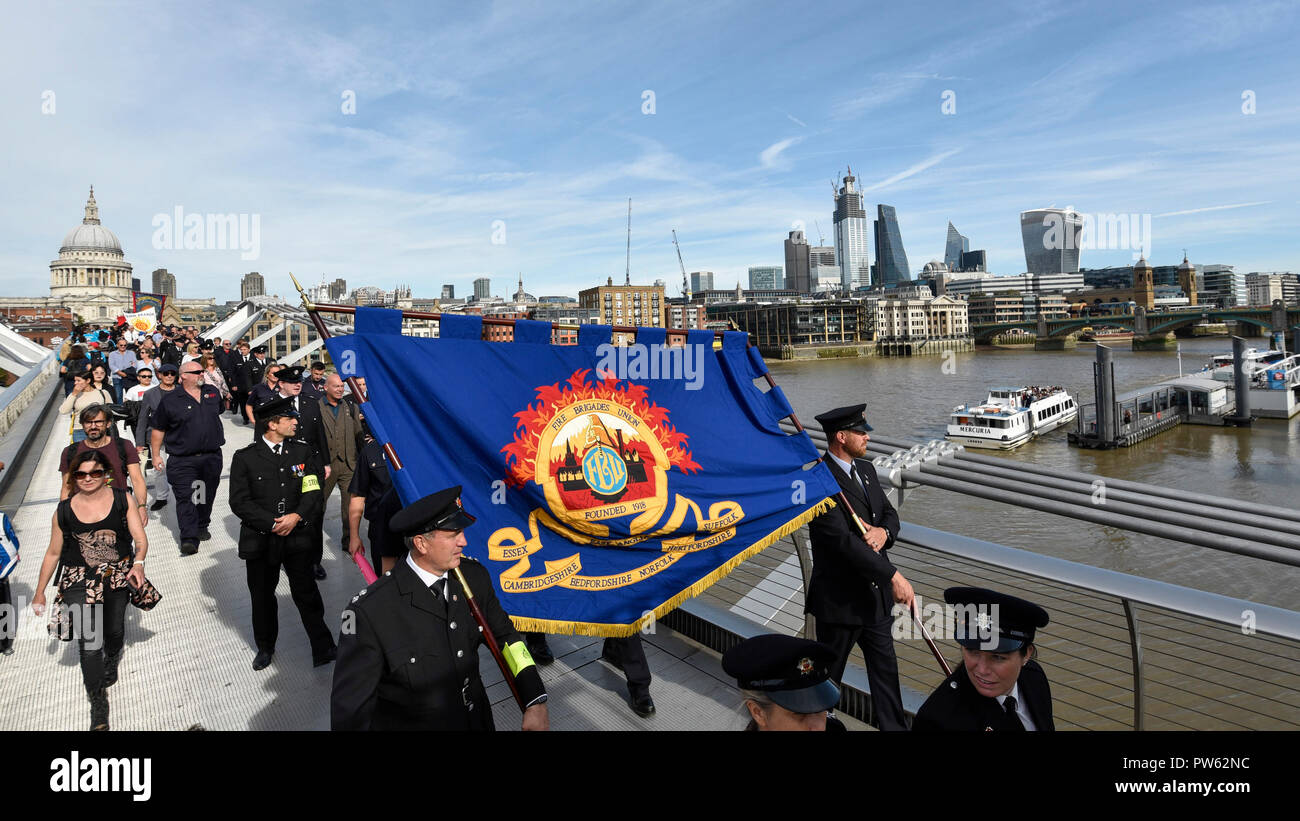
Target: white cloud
771	155
1213	208
913	170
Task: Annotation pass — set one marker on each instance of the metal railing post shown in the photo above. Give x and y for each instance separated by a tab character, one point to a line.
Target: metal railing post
802	549
1135	645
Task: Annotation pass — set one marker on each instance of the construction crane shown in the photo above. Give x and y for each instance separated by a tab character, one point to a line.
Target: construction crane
686	283
821	239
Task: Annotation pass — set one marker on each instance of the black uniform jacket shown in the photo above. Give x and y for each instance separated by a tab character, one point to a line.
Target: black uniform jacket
404	664
250	373
311	428
259	481
956	705
844	568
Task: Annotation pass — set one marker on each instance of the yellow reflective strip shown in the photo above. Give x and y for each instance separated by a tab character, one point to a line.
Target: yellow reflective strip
518	657
310	482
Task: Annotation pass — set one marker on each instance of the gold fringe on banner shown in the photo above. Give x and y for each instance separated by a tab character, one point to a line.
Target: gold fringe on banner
582	628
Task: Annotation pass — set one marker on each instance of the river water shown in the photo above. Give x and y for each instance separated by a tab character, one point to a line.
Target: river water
910	398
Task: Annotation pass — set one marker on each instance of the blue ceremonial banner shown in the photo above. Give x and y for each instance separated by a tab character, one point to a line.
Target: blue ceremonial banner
610	482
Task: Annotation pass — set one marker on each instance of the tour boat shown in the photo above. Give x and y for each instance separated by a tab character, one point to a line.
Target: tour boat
1011	416
1254	361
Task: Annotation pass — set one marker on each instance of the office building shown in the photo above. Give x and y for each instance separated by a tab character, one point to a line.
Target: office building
1222	287
701	281
640	305
338	289
782	325
164	283
823	271
798	262
954	248
482	288
1051	237
1262	288
1012	306
252	285
766	277
851	243
990	283
448	291
891	260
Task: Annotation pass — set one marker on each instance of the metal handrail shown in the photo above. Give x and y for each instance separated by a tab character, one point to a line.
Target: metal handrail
1269	620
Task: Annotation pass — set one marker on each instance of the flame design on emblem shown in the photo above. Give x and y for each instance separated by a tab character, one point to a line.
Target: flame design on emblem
521	454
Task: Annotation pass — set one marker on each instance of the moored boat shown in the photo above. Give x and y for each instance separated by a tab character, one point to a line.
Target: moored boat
1009	417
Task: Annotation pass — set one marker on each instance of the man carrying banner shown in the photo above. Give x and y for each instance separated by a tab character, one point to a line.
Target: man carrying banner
408	650
853	584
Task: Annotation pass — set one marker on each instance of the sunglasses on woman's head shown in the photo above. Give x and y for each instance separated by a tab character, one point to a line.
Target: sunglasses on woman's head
80	475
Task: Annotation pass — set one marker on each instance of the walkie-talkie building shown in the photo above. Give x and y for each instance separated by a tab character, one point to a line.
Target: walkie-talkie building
1051	237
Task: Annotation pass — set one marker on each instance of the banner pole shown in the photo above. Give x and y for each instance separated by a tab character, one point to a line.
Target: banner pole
488	637
862	531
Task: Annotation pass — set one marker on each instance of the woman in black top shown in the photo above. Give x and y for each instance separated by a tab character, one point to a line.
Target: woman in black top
73	365
92	535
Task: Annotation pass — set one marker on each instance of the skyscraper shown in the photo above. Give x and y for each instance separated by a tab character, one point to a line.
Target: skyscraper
482	288
338	289
891	259
449	292
164	283
766	278
701	281
1051	237
797	262
851	236
955	247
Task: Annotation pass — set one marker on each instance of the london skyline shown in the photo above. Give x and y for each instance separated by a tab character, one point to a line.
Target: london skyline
507	139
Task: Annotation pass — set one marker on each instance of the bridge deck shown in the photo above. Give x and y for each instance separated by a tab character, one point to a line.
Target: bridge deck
188	661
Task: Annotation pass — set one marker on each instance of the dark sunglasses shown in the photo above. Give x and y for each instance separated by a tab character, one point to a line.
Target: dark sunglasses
192	373
97	473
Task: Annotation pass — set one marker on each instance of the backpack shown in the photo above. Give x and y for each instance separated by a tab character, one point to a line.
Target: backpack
8	547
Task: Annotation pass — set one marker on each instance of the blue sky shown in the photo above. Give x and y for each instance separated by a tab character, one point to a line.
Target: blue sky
532	115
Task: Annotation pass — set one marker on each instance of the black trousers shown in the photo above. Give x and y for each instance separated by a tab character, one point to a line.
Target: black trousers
263	576
877	643
102	630
631	654
194	481
6	639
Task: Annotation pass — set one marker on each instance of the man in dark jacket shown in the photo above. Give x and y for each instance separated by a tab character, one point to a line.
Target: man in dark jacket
408	654
311	432
275	492
854	586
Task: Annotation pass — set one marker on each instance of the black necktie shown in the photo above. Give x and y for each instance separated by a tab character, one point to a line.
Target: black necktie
1013	717
275	449
439	589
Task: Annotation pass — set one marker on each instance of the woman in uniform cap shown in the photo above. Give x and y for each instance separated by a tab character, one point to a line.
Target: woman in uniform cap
785	681
998	686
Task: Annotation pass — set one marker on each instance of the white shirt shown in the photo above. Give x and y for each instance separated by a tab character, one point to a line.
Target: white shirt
425	576
1021	709
272	445
136	390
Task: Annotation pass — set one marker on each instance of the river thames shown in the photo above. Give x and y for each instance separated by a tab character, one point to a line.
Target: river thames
910	398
